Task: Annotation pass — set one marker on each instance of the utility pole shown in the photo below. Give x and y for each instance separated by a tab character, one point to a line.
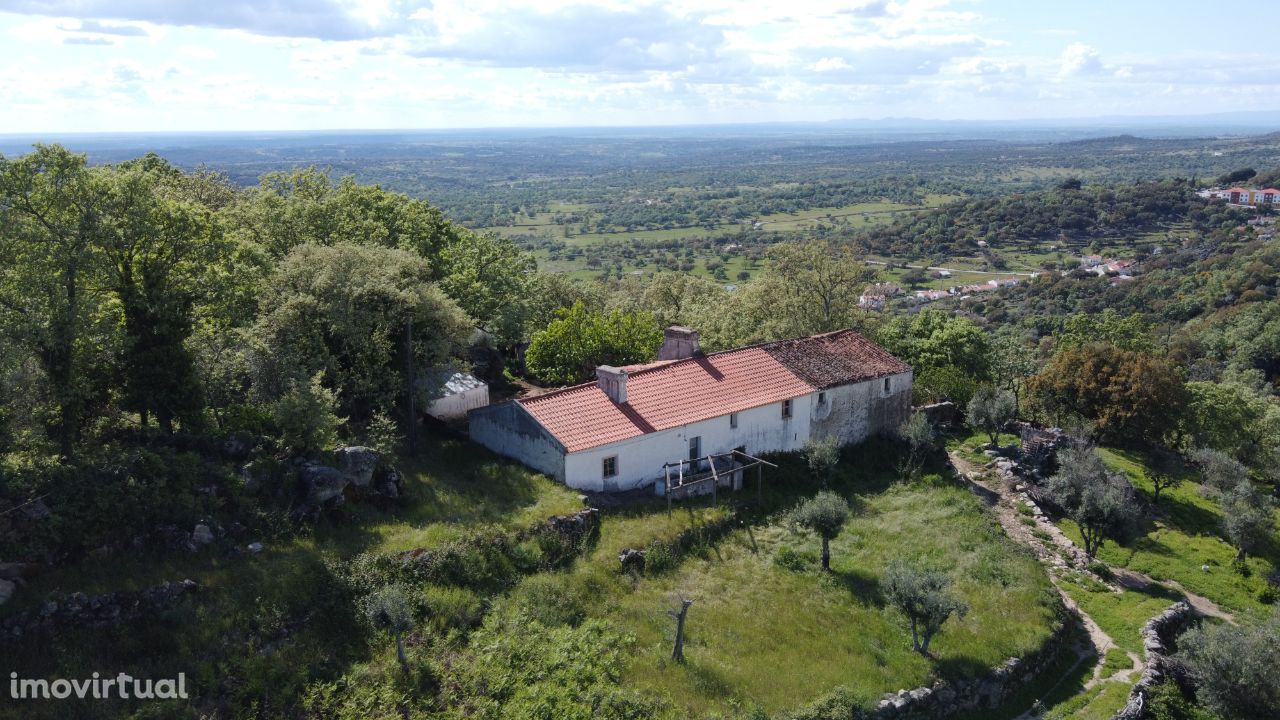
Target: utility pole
410	390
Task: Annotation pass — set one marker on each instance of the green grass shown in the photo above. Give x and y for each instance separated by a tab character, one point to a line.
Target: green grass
1116	661
1120	614
1100	702
969	446
1182	541
734	654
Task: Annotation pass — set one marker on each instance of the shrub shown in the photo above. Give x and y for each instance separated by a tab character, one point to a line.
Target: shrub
794	560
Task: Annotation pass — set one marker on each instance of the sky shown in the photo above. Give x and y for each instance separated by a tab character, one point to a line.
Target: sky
210	65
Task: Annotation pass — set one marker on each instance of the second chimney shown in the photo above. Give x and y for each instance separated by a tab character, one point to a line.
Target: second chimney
679	343
613	381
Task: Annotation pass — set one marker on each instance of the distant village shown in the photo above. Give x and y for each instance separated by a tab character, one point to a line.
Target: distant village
878	295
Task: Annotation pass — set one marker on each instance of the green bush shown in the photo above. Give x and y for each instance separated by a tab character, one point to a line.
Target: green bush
795	560
451	608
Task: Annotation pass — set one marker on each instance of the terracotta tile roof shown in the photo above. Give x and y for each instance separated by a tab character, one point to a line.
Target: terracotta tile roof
836	358
674	393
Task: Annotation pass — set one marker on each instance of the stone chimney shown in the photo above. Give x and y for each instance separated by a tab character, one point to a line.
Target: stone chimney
679	343
613	381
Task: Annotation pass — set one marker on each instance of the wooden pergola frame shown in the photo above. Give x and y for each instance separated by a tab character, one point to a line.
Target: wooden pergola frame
712	476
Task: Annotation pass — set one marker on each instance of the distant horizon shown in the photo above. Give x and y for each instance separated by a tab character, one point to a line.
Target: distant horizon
1256	119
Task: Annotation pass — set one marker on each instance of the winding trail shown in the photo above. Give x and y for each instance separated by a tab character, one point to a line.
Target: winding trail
1057	554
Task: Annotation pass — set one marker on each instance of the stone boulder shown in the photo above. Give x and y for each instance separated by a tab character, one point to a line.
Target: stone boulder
322	484
357	463
202	535
7	588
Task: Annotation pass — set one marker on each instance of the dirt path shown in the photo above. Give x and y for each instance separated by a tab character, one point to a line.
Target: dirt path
1058	553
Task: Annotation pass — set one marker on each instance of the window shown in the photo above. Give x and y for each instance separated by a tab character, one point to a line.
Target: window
695	447
786	409
822	398
887	386
610	466
733	420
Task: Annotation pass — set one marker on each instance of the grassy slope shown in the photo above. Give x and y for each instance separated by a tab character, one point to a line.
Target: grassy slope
1182	541
756	628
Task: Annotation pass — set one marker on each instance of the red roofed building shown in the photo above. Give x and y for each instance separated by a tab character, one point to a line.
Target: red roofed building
618	432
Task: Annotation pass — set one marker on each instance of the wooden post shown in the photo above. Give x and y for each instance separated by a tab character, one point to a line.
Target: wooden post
760	485
667	469
715	482
677	654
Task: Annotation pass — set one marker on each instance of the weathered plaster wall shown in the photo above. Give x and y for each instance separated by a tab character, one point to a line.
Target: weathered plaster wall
509	430
855	412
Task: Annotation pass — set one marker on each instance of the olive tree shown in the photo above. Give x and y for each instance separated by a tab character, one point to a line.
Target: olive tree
824	514
918	433
1234	668
822	455
1099	501
389	609
925	597
991	410
1247	518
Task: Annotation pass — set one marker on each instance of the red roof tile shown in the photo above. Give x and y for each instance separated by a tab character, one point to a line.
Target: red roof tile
673	393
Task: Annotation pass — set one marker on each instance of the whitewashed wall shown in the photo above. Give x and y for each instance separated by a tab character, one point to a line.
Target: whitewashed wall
640	459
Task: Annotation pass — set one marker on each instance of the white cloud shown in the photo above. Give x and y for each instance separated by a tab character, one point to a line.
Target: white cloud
1080	59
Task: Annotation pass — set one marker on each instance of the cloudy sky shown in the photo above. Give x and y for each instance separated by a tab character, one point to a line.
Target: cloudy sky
112	65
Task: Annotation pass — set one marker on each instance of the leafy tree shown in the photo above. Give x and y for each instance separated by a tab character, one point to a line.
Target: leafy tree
1236	176
817	284
161	251
1099	501
925	597
368	318
306	415
1234	667
286	210
1247	518
50	224
991	411
580	339
1164	472
822	456
1127	332
949	354
1012	363
390	610
1223	416
1129	395
825	515
489	278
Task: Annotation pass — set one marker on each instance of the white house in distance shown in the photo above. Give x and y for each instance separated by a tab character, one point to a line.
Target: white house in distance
460	393
618	432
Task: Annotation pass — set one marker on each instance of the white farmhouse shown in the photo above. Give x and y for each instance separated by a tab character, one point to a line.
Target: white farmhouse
618	432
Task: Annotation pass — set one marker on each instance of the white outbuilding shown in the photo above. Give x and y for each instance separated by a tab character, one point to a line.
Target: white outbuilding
459	394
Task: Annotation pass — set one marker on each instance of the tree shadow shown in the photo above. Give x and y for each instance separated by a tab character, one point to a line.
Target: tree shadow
863	586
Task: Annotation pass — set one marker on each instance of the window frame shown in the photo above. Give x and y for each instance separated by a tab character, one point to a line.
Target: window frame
605	464
733	421
787	409
695	447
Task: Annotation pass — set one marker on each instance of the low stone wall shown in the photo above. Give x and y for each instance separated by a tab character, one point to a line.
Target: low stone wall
1157	640
81	610
944	699
636	560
